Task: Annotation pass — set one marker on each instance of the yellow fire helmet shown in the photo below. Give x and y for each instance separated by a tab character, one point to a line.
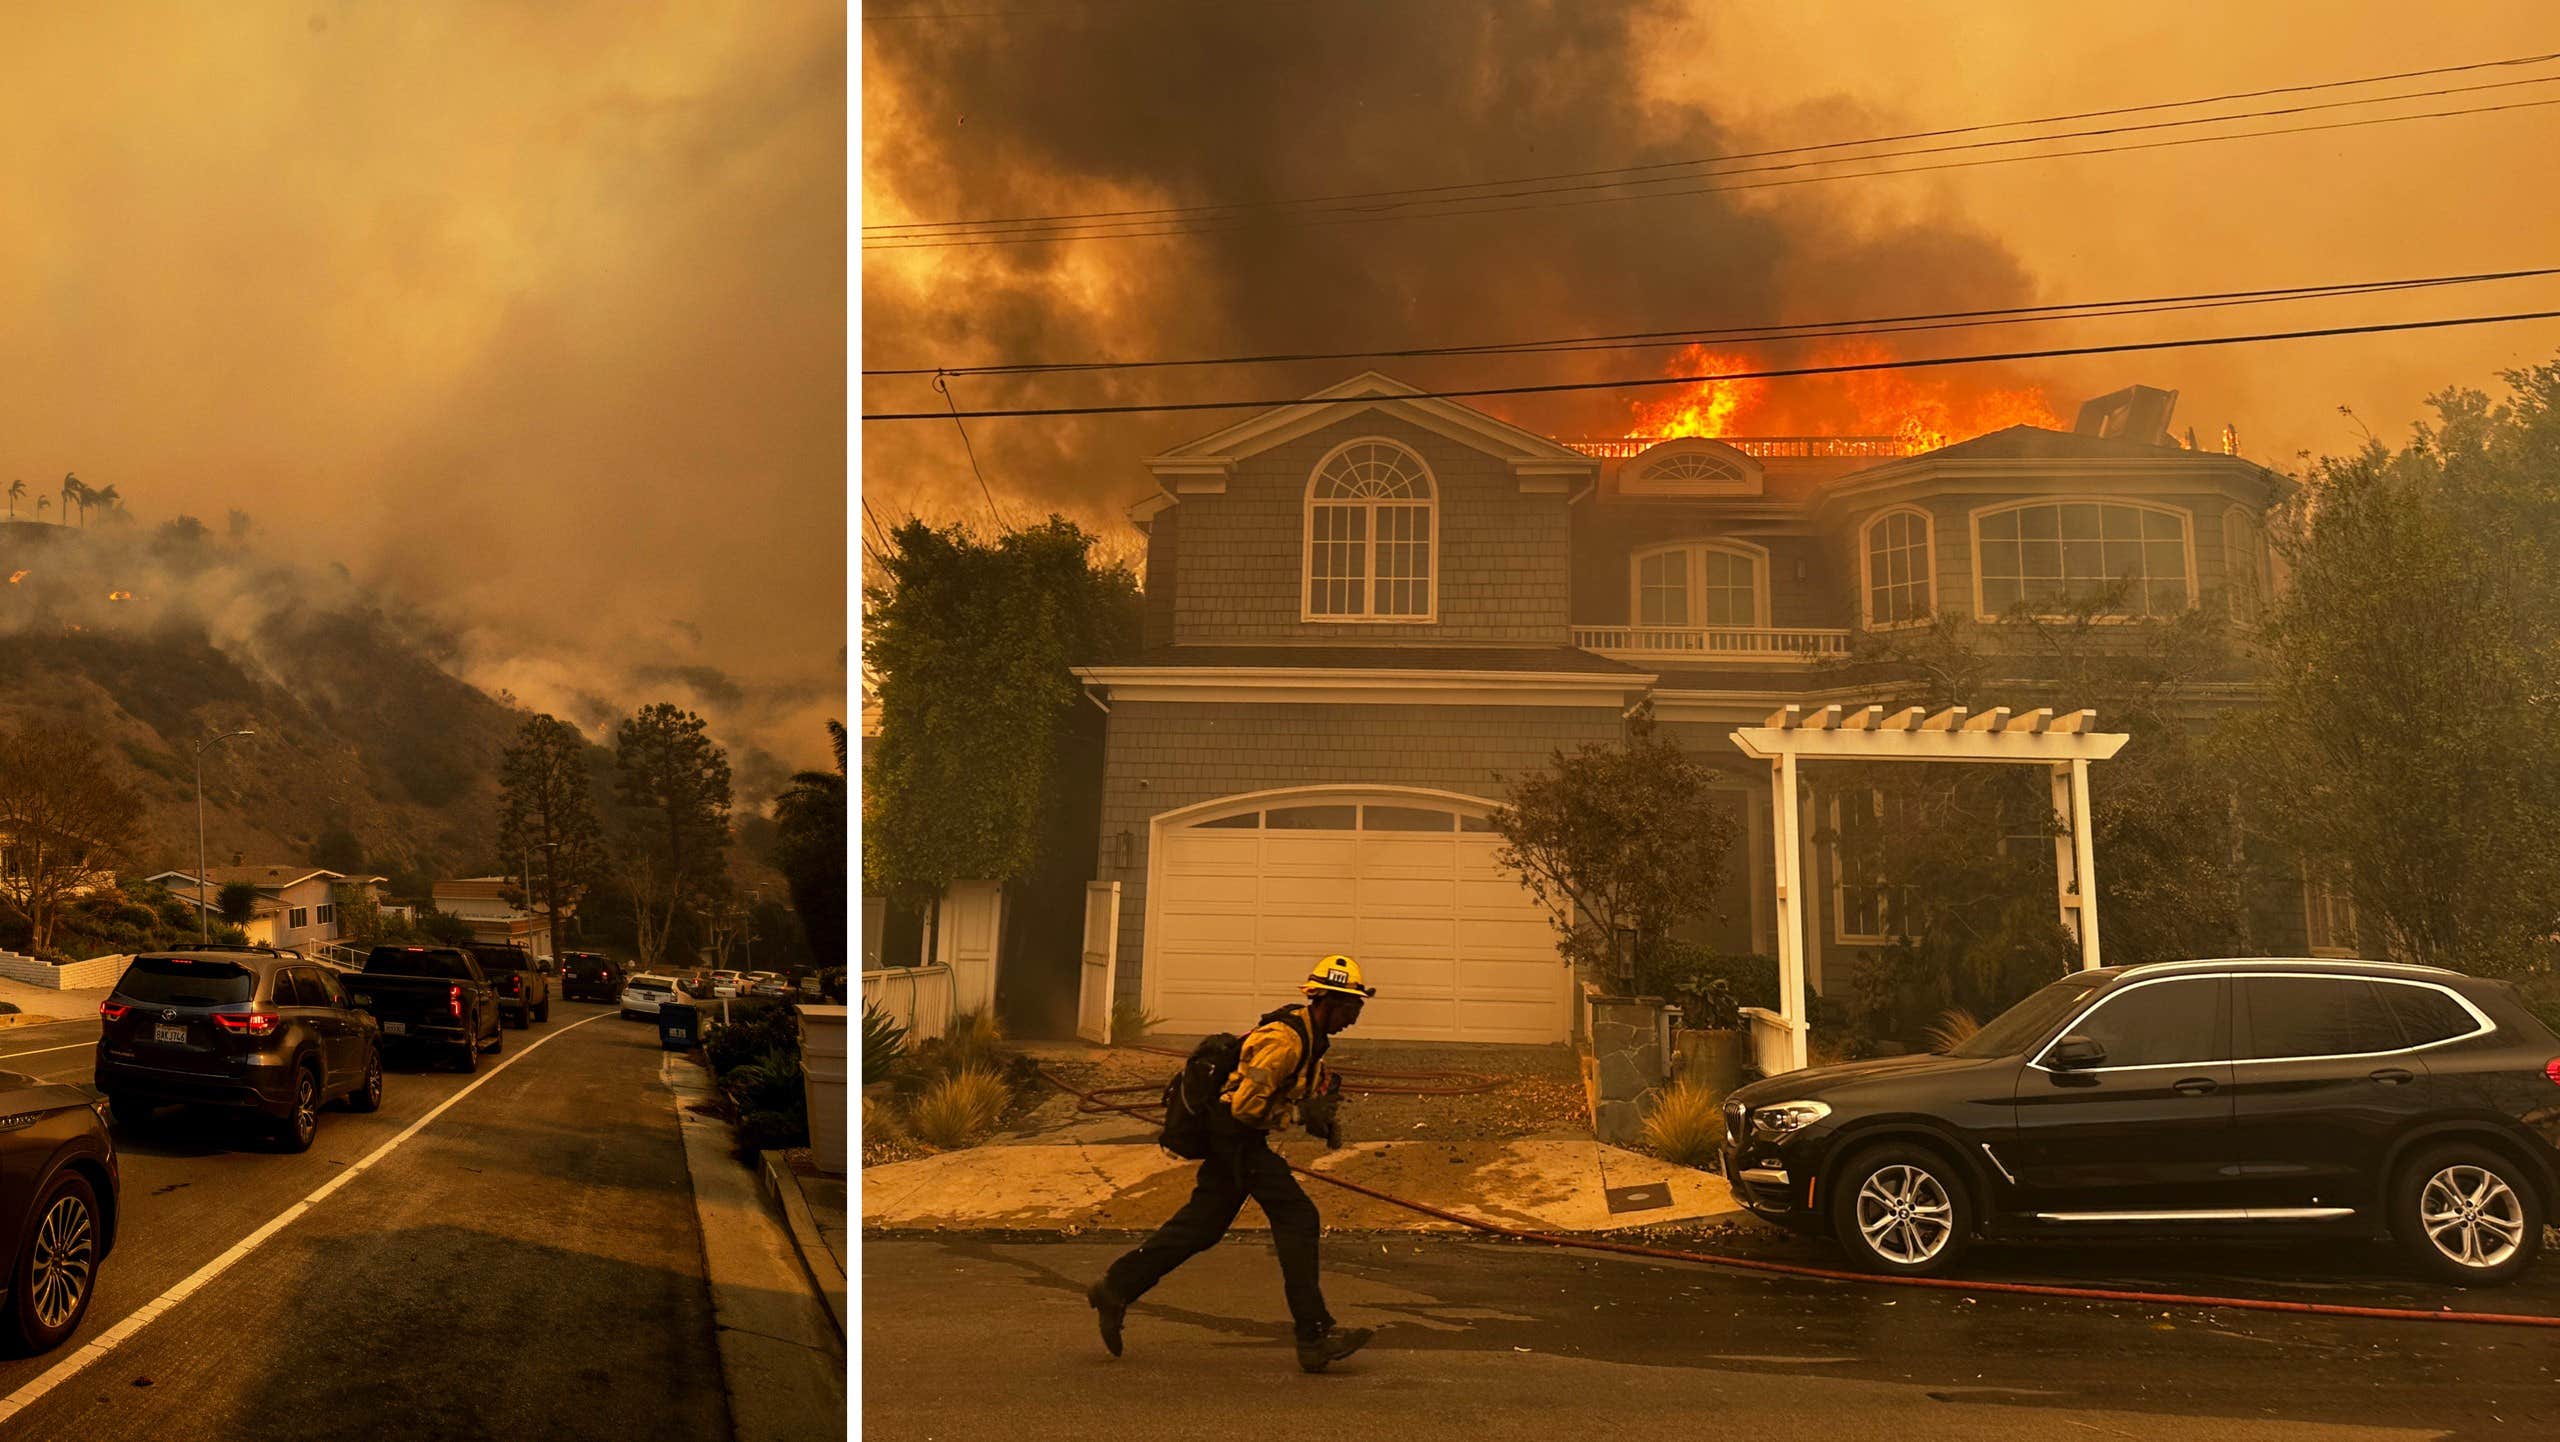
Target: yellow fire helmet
1339	974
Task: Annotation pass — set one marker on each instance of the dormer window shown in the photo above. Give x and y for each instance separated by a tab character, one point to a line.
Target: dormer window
1697	584
1692	466
2050	554
1371	530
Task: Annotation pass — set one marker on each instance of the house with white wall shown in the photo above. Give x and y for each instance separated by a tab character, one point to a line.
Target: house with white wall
297	906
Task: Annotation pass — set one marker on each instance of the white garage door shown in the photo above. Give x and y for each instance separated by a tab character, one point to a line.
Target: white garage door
1245	904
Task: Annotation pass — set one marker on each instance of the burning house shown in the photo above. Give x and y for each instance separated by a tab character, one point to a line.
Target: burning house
1365	610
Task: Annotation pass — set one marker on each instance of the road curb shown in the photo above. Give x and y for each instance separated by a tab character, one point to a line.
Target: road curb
805	1236
782	1357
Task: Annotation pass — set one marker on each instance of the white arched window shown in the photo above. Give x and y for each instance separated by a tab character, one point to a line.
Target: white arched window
1371	530
1900	581
2049	554
1700	584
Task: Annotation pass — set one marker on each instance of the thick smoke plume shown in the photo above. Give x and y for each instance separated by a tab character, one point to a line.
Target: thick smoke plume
1180	104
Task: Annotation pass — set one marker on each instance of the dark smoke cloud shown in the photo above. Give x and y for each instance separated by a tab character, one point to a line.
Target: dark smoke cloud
1193	104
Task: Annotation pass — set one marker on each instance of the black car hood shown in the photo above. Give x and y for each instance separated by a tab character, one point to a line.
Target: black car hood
20	1092
1813	1083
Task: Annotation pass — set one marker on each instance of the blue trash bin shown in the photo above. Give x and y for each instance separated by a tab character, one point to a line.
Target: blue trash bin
679	1026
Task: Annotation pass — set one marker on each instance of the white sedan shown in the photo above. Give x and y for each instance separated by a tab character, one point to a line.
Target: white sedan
644	994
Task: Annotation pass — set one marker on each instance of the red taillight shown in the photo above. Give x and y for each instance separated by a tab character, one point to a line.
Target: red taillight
453	1000
115	1010
250	1023
2551	1069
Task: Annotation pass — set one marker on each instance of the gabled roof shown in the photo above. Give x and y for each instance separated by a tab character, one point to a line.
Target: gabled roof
1203	464
265	878
2034	443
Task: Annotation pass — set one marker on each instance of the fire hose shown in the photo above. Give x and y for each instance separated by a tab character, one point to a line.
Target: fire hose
1093	1102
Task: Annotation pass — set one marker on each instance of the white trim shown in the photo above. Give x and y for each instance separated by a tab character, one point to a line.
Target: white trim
2185	516
1311	685
1749	478
1695	579
1866	577
1987	746
1529	453
1916	477
1430	506
2485	1027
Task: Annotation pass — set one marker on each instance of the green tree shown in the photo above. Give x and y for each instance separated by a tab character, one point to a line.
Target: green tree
236	902
1615	838
2414	663
443	927
673	781
63	818
545	813
810	847
973	644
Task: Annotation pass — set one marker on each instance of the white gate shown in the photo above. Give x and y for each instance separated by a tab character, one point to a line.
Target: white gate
972	927
1101	958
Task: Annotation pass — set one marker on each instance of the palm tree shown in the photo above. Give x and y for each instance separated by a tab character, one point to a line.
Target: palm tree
70	492
107	495
42	504
16	489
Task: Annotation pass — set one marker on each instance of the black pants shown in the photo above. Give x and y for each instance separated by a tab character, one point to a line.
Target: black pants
1241	1164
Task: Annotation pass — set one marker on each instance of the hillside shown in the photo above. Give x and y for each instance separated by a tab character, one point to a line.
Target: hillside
149	641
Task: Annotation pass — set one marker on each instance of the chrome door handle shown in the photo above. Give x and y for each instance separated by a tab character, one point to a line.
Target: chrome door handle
2196	1086
2394	1076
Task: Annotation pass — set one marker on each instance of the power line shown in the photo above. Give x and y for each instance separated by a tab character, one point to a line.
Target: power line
942	383
1575	201
1165	213
1782	373
1798	330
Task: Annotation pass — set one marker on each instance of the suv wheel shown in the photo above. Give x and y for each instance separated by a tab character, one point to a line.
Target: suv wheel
298	1126
367	1097
2467	1215
543	1012
468	1060
51	1277
1901	1210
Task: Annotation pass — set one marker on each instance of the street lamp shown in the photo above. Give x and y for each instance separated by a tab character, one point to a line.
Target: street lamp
200	885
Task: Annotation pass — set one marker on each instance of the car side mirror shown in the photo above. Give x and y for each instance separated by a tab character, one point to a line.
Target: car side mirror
2075	1053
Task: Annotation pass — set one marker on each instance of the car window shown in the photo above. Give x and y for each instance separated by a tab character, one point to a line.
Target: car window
2022	1026
2291	1016
323	989
184	981
2425	1013
2161	1023
293	989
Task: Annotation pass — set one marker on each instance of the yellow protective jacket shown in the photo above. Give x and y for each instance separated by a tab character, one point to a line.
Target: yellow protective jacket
1266	1089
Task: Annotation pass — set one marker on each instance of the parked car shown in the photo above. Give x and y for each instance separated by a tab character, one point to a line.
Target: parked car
59	1200
728	984
646	993
524	993
696	985
266	1033
587	976
766	983
430	998
2240	1098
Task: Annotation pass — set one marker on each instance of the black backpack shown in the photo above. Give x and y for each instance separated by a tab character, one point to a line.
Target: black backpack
1194	1090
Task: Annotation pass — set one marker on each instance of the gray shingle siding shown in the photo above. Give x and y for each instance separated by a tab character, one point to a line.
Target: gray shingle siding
1502	559
1163	756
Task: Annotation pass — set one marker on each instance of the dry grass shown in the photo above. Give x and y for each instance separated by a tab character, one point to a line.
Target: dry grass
1687	1125
958	1109
1955	1027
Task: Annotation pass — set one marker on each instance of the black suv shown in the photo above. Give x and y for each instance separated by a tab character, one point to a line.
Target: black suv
265	1032
2195	1097
586	976
523	987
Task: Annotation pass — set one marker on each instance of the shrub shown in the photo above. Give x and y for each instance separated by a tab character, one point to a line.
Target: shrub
1707	985
958	1109
1955	1026
974	1043
884	1045
772	1108
1686	1126
1131	1021
753	1029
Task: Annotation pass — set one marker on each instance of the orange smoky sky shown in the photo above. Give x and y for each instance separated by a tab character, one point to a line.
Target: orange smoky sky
1097	105
534	313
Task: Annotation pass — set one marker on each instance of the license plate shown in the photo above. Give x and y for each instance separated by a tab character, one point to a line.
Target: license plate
395	1028
173	1034
677	1033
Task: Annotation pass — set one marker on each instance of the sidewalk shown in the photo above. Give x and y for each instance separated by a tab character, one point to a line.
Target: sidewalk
782	1357
38	1004
813	1206
1102	1178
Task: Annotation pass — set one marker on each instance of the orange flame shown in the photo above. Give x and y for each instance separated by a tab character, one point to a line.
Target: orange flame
1925	409
119	595
16	576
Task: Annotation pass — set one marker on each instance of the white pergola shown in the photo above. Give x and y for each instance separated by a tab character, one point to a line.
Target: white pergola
2063	744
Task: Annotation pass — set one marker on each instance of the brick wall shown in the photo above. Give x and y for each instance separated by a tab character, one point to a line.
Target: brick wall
1162	756
1502	558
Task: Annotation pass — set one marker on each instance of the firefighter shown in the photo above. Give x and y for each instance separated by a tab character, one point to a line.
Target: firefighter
1274	1080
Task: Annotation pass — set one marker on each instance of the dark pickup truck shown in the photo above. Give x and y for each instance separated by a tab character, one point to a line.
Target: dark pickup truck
523	987
430	997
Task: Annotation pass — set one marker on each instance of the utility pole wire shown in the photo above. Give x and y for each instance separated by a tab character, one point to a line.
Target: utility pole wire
942	383
1782	373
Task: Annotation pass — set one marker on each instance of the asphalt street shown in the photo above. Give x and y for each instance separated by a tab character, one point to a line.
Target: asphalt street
977	1338
527	1264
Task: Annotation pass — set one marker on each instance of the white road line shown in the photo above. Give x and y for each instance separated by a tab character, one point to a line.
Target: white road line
142	1316
39	1051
